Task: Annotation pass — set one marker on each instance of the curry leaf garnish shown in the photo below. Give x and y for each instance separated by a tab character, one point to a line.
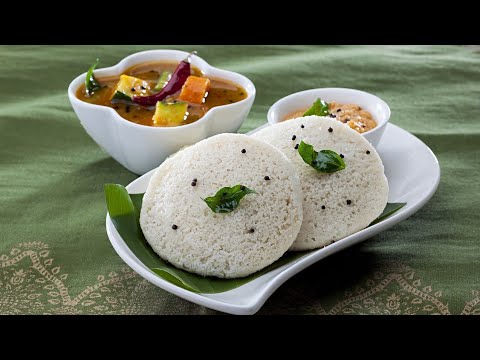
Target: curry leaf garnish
319	108
91	84
227	199
324	161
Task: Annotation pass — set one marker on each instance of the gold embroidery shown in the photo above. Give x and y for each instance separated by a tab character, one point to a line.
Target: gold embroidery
395	291
393	295
31	283
472	307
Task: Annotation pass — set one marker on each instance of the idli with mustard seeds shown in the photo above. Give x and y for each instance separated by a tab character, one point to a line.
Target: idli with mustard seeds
337	203
227	207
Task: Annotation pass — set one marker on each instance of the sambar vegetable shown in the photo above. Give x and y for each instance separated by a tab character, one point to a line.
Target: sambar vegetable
195	89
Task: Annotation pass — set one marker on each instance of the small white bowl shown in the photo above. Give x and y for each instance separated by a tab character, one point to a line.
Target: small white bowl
304	100
142	148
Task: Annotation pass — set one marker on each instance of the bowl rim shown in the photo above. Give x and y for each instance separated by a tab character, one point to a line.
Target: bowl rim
121	66
380	124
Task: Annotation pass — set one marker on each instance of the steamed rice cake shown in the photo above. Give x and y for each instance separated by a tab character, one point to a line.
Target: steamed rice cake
183	230
341	203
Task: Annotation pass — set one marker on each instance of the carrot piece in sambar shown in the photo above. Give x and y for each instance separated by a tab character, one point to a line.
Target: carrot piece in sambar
194	89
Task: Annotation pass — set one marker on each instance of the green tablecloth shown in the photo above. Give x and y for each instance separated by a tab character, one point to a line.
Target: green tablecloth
54	253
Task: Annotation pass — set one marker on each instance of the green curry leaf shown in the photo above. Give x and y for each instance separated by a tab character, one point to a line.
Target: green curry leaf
324	161
227	199
91	84
319	108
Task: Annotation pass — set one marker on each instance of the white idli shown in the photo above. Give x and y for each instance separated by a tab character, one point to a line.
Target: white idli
338	204
226	245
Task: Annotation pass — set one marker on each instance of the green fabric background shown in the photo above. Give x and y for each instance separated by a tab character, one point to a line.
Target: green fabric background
52	174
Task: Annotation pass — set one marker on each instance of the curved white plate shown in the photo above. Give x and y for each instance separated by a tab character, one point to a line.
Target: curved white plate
413	174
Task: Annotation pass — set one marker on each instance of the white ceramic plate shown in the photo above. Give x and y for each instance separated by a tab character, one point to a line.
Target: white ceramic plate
413	175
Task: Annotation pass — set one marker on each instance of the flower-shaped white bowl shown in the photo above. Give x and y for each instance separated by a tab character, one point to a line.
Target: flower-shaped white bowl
304	99
142	148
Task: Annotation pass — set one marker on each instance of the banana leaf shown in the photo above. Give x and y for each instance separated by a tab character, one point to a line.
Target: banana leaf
124	210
